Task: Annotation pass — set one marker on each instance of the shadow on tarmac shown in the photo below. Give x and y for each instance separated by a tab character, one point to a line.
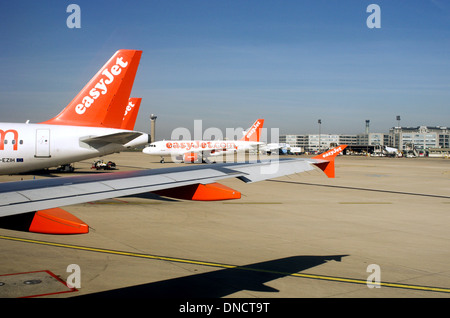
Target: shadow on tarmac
220	283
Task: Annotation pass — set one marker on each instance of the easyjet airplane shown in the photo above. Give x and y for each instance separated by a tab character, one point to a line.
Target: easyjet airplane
195	150
83	130
95	123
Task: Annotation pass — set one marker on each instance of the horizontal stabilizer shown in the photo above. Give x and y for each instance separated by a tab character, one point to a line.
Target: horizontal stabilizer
121	138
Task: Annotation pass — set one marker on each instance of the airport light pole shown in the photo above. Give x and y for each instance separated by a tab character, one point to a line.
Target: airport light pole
319	122
397	138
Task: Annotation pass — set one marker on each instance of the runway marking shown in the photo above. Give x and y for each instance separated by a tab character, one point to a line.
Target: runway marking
363	189
252	202
365	202
227	266
120	203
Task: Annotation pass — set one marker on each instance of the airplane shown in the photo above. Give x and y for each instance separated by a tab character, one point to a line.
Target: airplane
37	203
274	148
391	151
95	123
194	150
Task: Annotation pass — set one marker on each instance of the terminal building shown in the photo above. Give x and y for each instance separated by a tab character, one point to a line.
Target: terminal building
416	141
421	137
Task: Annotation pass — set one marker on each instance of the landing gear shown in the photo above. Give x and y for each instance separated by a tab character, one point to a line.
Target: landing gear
162	160
66	168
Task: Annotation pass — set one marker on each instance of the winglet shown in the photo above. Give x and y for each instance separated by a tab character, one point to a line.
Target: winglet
100	103
327	160
254	132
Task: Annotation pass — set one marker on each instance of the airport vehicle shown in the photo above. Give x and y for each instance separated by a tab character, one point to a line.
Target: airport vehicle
101	165
94	123
200	150
38	203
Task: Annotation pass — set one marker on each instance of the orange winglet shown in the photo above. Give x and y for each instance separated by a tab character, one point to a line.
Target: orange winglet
57	221
328	166
201	192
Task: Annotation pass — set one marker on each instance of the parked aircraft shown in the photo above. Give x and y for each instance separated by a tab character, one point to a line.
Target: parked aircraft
85	129
274	147
93	124
391	151
196	150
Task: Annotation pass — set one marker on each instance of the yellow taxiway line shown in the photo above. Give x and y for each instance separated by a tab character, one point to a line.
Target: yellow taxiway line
218	265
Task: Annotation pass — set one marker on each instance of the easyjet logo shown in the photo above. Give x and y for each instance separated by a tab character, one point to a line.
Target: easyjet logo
332	152
3	137
101	87
253	129
201	145
129	107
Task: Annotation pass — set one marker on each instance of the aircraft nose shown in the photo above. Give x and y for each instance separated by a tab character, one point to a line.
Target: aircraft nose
146	150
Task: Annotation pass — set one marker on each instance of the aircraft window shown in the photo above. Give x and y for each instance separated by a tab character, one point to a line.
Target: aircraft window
5	142
14	142
21	142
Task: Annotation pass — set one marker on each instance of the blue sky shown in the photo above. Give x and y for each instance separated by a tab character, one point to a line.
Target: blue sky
229	62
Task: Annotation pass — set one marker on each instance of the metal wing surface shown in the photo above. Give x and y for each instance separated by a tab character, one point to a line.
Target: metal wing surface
120	138
33	195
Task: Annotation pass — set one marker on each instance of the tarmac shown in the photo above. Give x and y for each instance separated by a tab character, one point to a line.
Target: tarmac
379	229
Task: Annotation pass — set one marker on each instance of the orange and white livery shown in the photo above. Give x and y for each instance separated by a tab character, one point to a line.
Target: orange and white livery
94	123
325	161
195	150
130	114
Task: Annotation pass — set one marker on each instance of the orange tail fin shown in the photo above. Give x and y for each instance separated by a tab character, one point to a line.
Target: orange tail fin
254	132
327	160
101	102
131	112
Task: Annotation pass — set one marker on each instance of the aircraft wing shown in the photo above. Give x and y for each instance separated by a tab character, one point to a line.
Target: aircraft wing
33	195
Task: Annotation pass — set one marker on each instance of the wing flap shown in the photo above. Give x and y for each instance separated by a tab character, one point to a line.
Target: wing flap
274	169
43	194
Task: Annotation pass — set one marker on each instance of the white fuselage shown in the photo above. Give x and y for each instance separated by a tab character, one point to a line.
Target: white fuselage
28	147
212	148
